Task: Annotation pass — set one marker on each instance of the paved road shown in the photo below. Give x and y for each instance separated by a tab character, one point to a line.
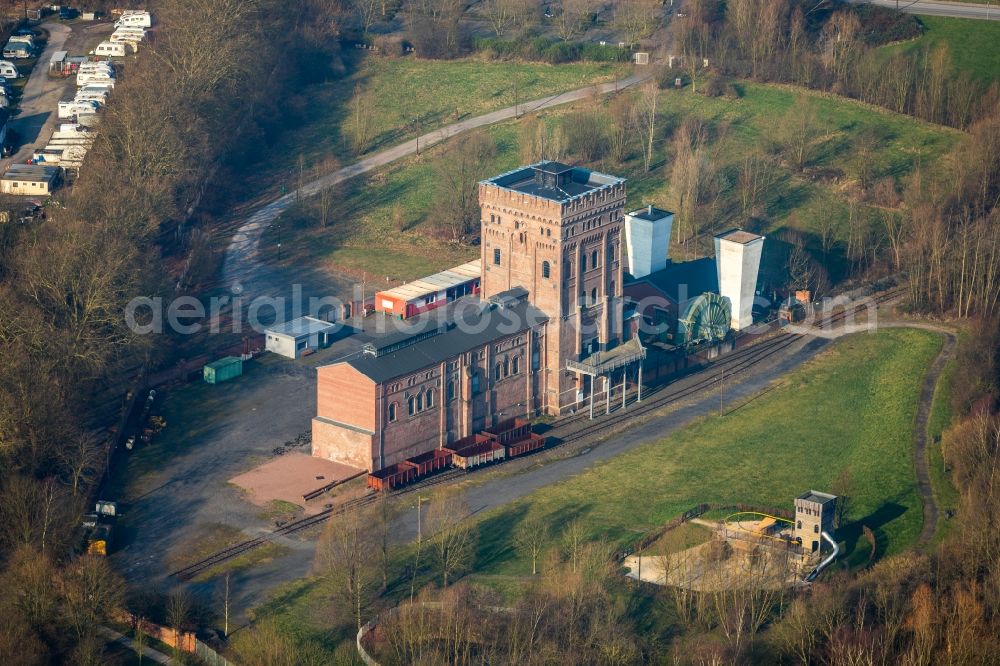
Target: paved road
939	8
37	109
241	262
147	652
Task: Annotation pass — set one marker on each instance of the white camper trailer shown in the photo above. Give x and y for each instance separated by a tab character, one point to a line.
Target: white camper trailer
73	109
111	49
135	18
8	70
87	78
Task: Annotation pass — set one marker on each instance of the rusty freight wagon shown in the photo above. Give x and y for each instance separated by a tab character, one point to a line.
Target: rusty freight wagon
511	430
432	461
392	476
532	442
484	450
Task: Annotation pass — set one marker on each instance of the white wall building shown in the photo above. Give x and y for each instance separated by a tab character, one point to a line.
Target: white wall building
737	261
647	240
291	339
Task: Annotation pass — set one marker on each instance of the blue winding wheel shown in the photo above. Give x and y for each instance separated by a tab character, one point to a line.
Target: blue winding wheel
705	319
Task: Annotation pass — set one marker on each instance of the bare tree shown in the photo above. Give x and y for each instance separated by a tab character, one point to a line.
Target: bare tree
573	16
361	120
454	537
637	19
367	11
530	538
467	158
346	556
645	114
799	130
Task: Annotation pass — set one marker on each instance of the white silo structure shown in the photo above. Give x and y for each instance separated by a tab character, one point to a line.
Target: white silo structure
647	240
737	262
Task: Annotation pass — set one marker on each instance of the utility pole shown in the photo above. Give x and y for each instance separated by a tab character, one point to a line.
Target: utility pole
722	388
225	626
515	96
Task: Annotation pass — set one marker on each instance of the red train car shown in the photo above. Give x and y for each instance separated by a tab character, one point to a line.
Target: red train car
532	443
432	461
392	476
486	450
511	430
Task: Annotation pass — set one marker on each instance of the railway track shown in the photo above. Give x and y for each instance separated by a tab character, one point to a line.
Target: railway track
656	397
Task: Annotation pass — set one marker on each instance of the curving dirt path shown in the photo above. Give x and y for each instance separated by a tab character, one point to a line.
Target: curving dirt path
242	263
920	434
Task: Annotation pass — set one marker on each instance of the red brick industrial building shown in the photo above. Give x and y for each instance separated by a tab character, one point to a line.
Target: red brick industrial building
546	328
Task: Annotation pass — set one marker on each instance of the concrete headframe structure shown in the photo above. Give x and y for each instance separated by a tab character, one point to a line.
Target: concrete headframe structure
737	262
647	237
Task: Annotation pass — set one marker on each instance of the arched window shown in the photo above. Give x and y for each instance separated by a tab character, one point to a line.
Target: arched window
593	259
451	390
506	367
546	269
816	529
497	369
430	398
593	296
569	267
411	406
475	383
799	525
496	257
583	263
420	402
392	412
515	365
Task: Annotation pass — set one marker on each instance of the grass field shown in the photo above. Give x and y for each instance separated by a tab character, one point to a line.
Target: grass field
852	408
971	42
847	414
385	223
408	93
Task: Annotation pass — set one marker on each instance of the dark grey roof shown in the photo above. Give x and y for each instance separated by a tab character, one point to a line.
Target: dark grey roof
554	180
474	323
650	213
817	497
683	281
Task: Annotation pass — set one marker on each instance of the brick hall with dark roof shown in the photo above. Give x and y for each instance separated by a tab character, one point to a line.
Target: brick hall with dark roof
545	332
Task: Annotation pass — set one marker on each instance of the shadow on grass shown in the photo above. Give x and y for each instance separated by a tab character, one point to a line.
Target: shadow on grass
852	535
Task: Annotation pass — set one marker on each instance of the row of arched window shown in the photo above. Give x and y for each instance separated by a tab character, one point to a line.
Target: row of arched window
414	404
506	368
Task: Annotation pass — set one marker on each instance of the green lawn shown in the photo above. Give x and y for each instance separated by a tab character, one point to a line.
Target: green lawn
384	223
850	410
407	93
971	42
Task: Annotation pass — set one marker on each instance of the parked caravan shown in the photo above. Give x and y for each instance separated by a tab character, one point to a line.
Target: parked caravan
23	39
100	85
111	49
8	70
17	50
96	67
100	98
72	109
125	38
87	78
138	19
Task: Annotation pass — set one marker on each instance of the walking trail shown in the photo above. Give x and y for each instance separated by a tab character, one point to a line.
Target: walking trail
920	431
241	262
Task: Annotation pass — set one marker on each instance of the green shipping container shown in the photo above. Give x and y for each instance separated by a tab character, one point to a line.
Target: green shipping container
223	369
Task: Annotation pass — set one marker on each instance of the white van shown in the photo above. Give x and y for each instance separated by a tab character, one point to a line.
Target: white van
111	49
8	70
99	85
71	109
140	19
87	78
